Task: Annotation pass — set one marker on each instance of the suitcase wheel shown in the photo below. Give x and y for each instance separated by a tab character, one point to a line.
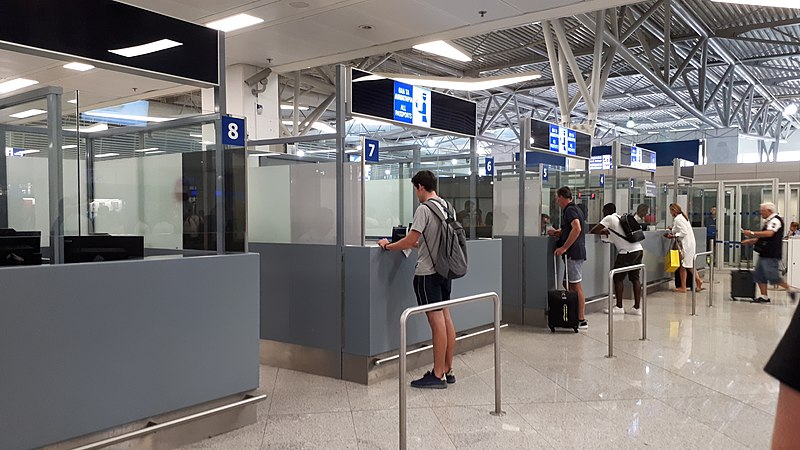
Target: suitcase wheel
552	330
576	330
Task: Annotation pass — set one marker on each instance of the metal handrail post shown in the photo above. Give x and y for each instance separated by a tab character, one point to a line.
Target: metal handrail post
404	350
711	281
611	274
694	285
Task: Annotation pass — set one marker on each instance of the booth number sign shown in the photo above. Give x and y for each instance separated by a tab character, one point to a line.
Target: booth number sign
233	131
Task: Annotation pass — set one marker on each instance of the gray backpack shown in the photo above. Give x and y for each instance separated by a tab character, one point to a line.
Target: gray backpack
451	259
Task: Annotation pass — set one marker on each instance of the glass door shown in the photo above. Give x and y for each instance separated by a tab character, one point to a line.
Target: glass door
742	201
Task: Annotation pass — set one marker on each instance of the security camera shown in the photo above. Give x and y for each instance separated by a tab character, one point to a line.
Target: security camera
259	77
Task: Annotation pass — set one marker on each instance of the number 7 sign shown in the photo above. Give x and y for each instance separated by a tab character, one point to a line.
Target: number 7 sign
371	150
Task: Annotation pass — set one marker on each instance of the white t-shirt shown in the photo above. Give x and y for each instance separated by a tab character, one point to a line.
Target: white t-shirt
623	246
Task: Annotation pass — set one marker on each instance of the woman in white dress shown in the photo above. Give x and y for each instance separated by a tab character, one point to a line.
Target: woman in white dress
682	230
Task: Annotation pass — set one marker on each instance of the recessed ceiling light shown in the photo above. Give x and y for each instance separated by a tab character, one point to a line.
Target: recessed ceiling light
105	155
92	129
28	113
146	149
80	67
15	84
151	47
630	123
773	3
287	106
236	22
366	27
299	4
790	110
445	49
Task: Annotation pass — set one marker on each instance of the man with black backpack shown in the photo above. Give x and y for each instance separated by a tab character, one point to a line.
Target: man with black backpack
442	257
625	233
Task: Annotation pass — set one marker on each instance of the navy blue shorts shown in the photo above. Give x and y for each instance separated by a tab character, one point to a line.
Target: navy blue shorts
431	288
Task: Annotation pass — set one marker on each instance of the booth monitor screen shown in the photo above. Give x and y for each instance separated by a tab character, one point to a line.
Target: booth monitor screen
409	105
562	140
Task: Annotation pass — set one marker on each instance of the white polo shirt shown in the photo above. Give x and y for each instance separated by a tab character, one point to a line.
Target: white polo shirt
611	222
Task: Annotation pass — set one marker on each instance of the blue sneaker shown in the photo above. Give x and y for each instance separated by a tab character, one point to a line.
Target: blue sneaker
429	381
450	377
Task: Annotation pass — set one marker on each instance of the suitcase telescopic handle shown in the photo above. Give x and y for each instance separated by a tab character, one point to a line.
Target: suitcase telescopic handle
555	270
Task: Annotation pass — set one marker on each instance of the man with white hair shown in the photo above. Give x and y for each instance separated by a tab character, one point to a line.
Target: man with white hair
769	244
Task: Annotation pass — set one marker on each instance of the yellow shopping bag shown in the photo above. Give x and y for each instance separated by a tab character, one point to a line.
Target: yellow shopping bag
673	260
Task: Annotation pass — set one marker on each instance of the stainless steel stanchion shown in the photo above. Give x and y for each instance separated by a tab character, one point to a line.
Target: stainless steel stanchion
611	274
694	285
404	351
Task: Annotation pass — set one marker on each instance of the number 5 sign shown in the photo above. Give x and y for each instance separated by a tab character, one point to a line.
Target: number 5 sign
233	131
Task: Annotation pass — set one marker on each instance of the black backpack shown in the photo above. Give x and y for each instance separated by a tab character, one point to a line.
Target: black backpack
451	259
631	228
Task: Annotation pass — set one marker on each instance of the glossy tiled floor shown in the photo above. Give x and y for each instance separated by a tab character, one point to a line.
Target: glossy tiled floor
697	383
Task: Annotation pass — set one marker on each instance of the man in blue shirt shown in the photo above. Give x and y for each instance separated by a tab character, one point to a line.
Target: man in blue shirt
572	242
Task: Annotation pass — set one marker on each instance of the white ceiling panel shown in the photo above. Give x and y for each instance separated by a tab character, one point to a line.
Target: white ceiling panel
468	10
541	5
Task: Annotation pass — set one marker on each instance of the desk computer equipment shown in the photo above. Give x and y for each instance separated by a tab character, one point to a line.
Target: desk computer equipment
99	248
20	248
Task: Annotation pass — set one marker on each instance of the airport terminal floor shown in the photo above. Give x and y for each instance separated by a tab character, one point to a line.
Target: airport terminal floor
698	383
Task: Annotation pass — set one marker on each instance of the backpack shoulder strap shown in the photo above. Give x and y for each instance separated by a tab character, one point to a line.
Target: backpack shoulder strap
438	210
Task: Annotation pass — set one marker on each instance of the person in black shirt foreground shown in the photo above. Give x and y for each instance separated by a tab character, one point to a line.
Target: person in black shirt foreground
784	365
572	242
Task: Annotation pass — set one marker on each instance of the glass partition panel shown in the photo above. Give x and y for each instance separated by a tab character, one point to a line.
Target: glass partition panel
26	148
293	195
505	200
157	183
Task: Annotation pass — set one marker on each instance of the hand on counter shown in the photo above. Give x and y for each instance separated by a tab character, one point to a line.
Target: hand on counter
383	243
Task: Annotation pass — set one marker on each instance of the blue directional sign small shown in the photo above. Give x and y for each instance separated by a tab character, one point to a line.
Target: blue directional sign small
545	173
602	180
633	183
371	152
233	132
489	166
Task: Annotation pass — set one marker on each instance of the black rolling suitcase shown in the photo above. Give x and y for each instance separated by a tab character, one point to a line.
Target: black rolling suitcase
562	305
742	284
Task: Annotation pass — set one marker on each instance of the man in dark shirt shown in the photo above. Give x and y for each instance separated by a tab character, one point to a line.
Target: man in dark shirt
785	367
572	242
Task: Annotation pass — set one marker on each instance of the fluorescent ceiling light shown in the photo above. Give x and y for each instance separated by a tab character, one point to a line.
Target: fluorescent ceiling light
74	101
445	49
195	135
236	22
630	123
146	149
28	113
67	147
92	129
790	110
301	153
155	153
287	106
26	152
387	171
80	67
113	115
152	47
17	83
105	155
466	83
772	3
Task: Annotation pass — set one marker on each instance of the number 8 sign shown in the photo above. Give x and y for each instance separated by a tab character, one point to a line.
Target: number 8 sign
233	131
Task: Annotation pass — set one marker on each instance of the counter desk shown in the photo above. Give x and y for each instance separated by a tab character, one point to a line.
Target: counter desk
306	326
86	347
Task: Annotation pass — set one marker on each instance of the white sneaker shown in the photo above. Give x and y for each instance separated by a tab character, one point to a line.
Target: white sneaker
634	311
617	310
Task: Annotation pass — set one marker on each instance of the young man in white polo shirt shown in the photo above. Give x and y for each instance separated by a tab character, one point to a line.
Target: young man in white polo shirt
628	254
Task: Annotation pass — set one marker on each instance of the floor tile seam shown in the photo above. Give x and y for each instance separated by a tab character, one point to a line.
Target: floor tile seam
272	394
439	421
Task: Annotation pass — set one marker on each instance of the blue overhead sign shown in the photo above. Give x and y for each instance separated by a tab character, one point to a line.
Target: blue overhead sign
233	132
412	105
489	166
371	150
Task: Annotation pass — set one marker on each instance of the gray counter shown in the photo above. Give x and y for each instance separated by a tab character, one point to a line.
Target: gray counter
539	272
303	317
91	346
379	289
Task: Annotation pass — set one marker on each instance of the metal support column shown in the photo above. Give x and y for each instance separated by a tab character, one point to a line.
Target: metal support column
219	153
473	181
342	83
525	130
55	174
4	181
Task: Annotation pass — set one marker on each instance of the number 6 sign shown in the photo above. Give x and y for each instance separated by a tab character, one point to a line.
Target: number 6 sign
233	131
